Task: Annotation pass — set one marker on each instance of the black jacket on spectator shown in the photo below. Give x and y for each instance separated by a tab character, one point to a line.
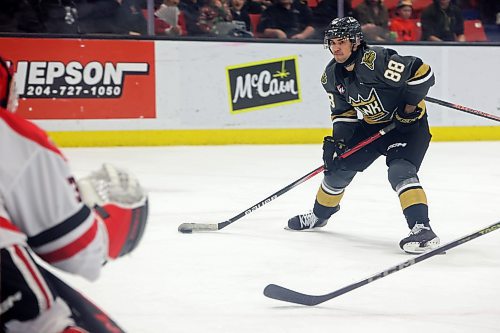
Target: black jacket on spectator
80	16
191	11
325	12
21	16
291	21
444	24
243	17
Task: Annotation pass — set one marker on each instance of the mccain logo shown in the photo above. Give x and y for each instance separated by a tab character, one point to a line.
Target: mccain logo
262	84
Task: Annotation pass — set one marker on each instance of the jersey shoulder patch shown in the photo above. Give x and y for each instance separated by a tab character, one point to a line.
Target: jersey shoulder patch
327	77
368	59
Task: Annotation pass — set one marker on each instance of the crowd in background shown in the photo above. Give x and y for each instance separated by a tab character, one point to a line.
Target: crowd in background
439	20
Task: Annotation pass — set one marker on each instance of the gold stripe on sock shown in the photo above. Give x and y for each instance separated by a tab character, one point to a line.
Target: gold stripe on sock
412	197
328	200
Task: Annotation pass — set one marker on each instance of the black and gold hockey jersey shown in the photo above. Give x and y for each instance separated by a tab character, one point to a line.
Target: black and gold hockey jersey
381	82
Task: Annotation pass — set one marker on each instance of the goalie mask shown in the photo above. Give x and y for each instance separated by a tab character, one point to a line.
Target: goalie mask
8	91
345	28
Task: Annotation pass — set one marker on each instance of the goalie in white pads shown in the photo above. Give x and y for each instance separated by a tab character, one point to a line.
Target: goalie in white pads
74	226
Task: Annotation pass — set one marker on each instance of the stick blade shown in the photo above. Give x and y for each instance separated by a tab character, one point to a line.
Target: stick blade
284	294
188	228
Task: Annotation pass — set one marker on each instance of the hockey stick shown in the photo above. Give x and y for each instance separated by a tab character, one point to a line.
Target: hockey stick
463	108
287	295
190	227
85	313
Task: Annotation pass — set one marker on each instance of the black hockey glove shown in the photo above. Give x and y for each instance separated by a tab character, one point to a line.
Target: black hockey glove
331	146
407	122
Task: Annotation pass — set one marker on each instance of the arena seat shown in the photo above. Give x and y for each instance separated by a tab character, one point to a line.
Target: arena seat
312	3
254	21
474	31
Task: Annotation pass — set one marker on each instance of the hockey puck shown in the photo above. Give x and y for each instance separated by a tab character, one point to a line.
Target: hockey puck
185	229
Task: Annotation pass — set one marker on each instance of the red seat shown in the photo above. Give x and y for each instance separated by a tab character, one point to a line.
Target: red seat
355	3
419	5
312	3
182	23
254	21
474	31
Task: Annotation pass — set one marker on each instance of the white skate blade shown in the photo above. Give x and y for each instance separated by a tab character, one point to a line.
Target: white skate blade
418	248
302	230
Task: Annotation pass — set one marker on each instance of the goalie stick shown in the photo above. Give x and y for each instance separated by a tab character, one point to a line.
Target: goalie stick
287	295
190	227
463	108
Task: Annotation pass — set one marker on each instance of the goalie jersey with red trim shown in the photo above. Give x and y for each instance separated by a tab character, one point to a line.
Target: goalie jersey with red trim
39	202
382	81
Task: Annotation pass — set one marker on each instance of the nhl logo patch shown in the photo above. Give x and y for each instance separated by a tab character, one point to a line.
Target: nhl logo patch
341	88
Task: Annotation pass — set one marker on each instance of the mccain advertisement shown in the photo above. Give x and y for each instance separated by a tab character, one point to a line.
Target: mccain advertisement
263	84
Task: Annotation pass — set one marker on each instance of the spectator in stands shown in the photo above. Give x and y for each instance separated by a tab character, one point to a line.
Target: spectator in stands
8	15
442	21
191	12
286	19
374	19
240	13
215	18
80	16
129	19
401	23
257	6
161	27
489	12
20	16
169	12
324	13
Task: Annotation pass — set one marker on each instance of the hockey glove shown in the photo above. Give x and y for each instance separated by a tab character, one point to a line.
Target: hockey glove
121	203
330	147
407	122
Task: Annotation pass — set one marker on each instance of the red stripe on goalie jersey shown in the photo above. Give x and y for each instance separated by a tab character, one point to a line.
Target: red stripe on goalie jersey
28	130
32	276
6	224
73	248
67	238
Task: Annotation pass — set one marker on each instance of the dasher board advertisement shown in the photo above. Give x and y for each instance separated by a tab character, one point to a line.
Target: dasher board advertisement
83	79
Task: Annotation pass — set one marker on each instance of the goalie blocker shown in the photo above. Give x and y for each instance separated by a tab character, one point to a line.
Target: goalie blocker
121	205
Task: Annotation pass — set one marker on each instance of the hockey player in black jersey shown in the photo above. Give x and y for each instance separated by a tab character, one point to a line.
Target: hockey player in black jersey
384	87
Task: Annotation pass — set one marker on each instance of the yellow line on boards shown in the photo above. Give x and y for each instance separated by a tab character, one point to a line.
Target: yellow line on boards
241	136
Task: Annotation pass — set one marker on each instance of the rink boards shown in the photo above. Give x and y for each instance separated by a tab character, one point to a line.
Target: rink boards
109	92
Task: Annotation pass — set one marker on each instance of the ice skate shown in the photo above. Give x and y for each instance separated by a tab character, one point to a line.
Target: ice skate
306	221
421	239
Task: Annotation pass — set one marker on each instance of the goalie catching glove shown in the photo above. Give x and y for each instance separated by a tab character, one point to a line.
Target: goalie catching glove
121	203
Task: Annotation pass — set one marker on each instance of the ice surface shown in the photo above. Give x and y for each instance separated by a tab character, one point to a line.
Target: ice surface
213	282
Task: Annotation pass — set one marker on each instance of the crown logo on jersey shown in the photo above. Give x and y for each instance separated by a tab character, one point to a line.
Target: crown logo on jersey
369	59
371	107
